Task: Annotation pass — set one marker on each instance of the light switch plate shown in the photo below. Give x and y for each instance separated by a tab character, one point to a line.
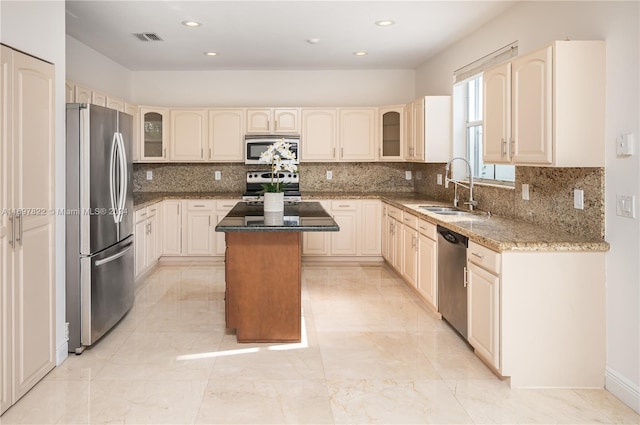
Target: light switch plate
217	175
525	191
625	145
329	175
578	199
149	175
626	206
439	179
407	175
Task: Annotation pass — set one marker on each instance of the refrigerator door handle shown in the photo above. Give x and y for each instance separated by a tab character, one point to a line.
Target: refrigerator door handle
122	155
114	256
112	171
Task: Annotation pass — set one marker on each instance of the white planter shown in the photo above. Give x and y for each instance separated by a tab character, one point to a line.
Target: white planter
273	201
273	218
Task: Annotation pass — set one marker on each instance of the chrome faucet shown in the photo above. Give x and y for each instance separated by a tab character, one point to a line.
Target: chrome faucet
471	202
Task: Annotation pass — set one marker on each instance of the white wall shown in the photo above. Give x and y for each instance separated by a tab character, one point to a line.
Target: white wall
88	68
535	24
273	88
38	28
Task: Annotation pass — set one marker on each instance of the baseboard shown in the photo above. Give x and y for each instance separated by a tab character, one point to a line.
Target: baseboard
622	388
308	259
62	352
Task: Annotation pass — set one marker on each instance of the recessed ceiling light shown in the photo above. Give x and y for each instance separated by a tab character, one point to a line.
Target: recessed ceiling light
191	24
313	40
360	53
385	23
210	53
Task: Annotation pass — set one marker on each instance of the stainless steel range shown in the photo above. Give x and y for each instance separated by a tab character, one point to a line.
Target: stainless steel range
255	180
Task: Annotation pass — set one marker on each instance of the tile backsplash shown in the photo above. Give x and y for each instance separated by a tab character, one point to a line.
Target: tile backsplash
550	203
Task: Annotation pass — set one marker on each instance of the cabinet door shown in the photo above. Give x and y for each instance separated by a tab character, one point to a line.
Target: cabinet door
140	258
483	312
154	134
358	134
258	120
135	137
531	108
391	133
370	227
418	130
409	130
171	227
344	242
410	254
286	120
319	136
223	207
98	98
115	103
385	235
497	114
32	177
188	134
69	92
82	94
226	135
427	267
200	239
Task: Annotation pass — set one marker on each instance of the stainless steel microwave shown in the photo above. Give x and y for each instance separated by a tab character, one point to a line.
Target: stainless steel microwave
255	144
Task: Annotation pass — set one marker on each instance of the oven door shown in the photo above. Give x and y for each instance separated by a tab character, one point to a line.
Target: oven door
254	147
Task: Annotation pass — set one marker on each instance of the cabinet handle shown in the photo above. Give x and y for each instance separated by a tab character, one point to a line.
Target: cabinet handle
341	152
466	276
12	241
209	221
334	152
199	206
513	148
143	214
202	153
19	239
210	153
343	206
503	147
475	254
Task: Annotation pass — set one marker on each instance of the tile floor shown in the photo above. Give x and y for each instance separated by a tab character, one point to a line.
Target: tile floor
371	353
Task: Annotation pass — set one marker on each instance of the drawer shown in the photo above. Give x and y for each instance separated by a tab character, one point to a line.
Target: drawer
226	204
395	213
345	205
153	209
428	229
200	205
484	257
140	215
410	220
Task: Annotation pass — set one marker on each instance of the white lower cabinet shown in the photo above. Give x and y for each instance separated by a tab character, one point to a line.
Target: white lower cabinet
427	280
171	227
223	207
483	302
360	232
148	237
200	225
410	250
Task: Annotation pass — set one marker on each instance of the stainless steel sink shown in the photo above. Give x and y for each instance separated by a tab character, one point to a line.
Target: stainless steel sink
454	212
445	210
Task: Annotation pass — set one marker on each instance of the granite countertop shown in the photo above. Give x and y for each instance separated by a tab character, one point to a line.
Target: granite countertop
302	217
497	233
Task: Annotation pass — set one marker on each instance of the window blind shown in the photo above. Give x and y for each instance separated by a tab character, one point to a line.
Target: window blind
501	55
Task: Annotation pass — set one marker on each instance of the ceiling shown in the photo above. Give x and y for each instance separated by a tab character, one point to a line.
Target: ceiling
272	35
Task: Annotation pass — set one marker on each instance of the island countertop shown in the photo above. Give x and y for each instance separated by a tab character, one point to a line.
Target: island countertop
301	217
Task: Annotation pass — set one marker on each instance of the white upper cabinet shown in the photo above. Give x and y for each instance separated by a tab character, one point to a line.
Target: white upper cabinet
82	95
273	120
319	136
69	92
154	134
226	135
431	126
391	133
188	134
134	111
358	134
115	103
98	98
547	107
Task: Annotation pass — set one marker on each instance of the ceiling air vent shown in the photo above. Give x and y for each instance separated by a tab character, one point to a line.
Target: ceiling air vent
147	36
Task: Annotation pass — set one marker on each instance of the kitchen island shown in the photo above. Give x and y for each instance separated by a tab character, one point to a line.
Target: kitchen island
263	268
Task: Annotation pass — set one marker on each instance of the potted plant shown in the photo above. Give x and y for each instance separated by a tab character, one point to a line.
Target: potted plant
280	158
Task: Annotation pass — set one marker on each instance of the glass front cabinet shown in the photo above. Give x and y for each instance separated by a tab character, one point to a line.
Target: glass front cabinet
391	133
155	134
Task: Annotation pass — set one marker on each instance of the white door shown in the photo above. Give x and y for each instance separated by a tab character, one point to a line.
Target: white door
410	254
483	313
171	227
200	233
344	241
427	268
140	257
188	134
496	145
226	132
286	121
319	136
370	227
258	120
358	134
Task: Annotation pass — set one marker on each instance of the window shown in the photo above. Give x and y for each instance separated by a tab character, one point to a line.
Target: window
473	116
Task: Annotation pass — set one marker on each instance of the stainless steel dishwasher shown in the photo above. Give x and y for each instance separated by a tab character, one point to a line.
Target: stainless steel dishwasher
452	288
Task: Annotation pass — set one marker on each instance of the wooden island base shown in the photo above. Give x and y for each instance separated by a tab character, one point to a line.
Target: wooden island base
263	274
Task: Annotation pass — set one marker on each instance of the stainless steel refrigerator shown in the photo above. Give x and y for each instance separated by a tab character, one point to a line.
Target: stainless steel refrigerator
99	222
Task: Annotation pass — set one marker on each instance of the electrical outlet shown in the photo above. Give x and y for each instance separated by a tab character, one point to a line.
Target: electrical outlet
525	191
407	175
578	199
329	175
439	179
626	206
149	175
418	175
217	175
66	331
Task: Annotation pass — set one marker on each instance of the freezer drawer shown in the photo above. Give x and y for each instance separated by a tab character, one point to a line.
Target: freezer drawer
106	294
